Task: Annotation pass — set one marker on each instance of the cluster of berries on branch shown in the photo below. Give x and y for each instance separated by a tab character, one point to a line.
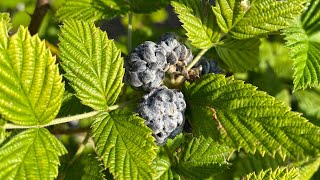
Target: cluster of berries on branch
146	67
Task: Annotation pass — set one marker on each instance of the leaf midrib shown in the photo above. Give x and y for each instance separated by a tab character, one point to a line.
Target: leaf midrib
20	84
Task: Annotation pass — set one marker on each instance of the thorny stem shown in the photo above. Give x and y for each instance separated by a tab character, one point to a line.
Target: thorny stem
40	11
130	16
64	119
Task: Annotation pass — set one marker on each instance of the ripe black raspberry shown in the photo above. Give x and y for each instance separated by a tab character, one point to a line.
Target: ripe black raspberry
145	66
175	52
163	111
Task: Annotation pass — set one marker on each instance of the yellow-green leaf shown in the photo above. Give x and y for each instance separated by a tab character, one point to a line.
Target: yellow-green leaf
125	145
245	19
31	87
92	62
199	22
237	114
5	26
31	154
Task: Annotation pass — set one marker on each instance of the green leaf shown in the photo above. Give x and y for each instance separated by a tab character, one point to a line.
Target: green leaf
307	169
202	158
306	56
163	170
125	145
240	55
308	103
5	26
229	12
311	17
3	134
281	173
32	154
303	49
90	10
246	164
162	163
86	167
275	55
249	163
92	62
242	117
198	21
245	19
31	87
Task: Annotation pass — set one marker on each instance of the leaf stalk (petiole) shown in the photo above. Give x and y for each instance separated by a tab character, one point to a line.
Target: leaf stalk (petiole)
62	120
196	59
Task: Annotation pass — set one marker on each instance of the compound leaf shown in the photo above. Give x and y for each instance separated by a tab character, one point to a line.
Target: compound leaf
32	154
5	26
240	55
92	62
311	17
125	145
242	117
305	54
281	173
198	21
202	157
245	19
31	87
90	10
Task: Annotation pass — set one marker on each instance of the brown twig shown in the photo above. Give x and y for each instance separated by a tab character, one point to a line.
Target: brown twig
42	7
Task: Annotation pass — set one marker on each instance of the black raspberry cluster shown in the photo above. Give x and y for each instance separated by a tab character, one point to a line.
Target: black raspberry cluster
162	108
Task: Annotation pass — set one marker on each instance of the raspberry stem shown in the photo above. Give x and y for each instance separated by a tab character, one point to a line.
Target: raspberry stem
55	121
196	59
62	120
181	79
